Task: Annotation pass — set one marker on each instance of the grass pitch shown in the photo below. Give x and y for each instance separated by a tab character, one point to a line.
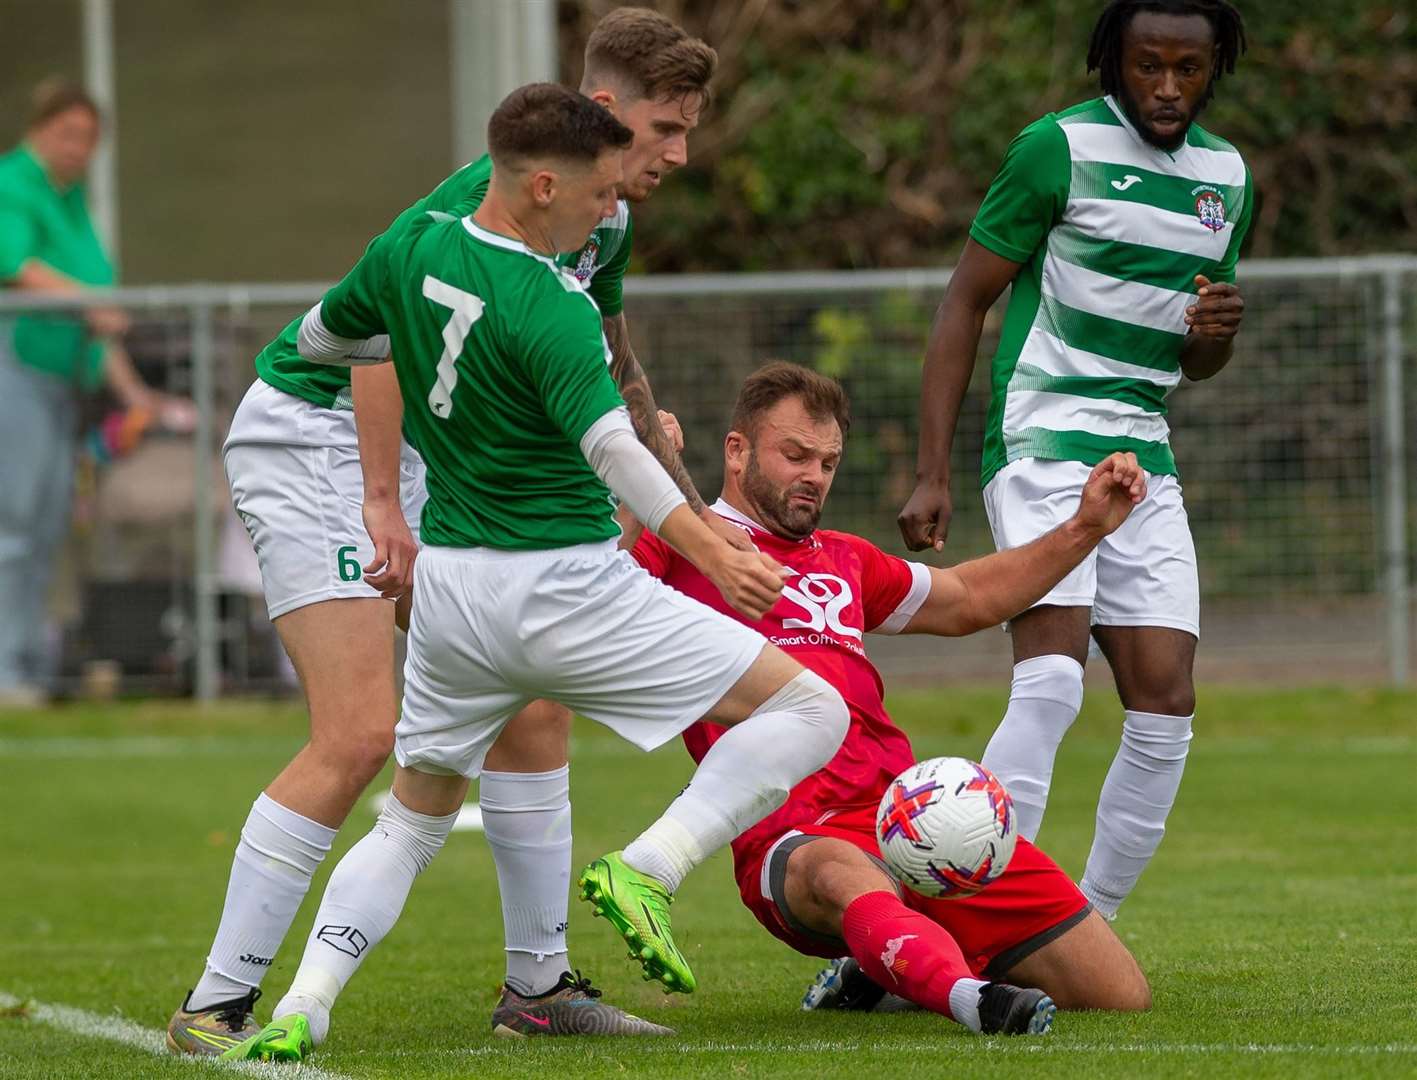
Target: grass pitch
1278	924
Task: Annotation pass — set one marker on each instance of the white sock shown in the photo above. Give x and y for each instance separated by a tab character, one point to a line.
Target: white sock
527	820
362	902
1136	798
277	855
964	1002
316	1013
745	775
1043	703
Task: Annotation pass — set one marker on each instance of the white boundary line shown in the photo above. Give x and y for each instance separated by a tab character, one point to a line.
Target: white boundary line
120	1029
1058	1045
1050	1045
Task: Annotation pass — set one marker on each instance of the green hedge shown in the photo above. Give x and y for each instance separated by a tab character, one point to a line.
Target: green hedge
861	133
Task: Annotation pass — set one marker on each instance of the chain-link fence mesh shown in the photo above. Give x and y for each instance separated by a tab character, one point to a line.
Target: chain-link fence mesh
1285	459
1281	455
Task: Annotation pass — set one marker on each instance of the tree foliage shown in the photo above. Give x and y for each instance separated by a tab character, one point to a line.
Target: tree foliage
861	133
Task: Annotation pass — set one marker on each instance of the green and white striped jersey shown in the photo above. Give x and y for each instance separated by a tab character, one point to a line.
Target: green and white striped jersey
599	266
1112	232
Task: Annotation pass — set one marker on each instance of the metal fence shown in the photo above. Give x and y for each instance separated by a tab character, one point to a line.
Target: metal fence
1298	462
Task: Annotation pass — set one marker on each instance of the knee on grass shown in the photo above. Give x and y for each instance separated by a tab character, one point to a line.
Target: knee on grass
1088	967
1136	997
1127	992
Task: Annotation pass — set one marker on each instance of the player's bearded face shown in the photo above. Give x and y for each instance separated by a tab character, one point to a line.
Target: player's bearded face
661	142
789	463
1167	65
792	511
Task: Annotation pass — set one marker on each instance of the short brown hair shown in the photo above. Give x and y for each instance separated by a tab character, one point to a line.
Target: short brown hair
648	55
56	95
546	120
822	397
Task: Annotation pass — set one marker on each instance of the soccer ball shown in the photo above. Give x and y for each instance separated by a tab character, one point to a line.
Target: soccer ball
946	827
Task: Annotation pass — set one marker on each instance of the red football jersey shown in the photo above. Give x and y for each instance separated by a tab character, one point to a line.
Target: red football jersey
841	588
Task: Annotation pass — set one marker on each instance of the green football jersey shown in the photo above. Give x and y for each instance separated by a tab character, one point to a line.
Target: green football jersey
599	266
503	366
1112	232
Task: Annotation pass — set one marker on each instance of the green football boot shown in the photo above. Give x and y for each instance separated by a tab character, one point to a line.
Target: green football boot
638	907
214	1030
286	1038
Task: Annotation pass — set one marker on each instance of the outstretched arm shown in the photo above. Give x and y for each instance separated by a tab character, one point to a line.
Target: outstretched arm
984	592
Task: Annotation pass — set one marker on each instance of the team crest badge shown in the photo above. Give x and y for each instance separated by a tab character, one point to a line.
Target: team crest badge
585	265
1210	208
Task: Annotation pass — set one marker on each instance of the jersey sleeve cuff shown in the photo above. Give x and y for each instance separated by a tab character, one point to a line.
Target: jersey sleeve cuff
985	238
915	596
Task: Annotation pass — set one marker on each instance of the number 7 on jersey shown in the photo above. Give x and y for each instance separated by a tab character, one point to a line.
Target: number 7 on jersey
467	309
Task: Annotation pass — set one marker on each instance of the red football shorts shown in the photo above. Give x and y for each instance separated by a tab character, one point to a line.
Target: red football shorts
1030	904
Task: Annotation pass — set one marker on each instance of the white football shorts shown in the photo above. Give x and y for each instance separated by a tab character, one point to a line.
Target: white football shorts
1144	574
297	486
585	626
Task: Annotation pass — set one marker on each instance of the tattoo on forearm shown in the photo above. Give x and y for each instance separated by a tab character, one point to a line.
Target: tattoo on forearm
644	413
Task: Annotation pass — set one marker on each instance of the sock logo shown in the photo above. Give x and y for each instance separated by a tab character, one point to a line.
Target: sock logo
259	961
891	956
346	939
561	927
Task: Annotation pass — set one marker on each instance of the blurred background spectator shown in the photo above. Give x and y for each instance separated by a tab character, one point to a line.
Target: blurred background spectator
48	246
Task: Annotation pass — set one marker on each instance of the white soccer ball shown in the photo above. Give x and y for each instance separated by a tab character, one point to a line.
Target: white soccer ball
946	827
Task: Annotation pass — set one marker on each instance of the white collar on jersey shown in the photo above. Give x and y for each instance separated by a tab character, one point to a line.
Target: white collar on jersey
477	232
1121	114
496	239
733	514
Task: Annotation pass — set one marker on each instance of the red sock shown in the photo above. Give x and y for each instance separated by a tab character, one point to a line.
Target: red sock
904	951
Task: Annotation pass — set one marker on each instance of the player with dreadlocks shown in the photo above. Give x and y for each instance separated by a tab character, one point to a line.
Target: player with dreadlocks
1118	222
1105	56
1104	52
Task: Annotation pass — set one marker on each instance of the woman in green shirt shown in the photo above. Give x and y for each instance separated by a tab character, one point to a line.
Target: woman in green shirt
48	246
